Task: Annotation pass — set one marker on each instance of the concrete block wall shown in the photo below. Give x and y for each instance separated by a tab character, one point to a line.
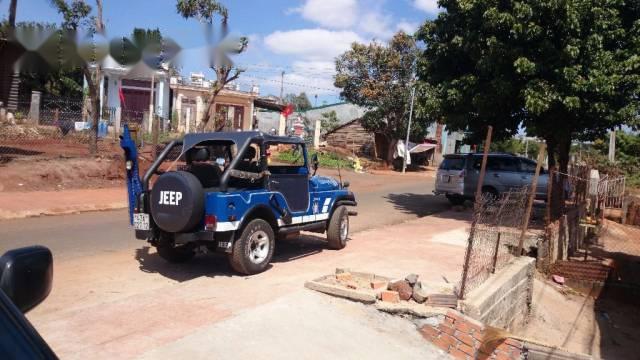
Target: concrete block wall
464	338
504	299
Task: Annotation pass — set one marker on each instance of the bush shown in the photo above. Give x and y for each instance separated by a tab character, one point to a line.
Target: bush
326	159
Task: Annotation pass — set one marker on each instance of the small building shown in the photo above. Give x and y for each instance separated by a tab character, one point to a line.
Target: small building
130	88
190	98
353	137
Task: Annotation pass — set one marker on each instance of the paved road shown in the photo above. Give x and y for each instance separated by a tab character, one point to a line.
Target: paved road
113	297
71	236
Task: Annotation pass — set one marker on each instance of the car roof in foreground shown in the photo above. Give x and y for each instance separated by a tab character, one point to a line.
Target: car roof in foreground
238	137
493	154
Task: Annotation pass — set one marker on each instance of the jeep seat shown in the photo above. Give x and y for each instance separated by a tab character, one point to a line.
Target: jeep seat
208	173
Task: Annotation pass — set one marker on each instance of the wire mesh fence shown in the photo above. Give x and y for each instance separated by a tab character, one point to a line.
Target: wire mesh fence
494	237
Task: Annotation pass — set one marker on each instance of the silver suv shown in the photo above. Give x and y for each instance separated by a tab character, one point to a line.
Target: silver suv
457	176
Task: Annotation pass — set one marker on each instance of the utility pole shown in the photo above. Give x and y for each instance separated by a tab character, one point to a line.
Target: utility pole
282	87
612	146
406	143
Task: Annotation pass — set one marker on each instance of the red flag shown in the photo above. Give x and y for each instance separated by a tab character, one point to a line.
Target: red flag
288	110
121	95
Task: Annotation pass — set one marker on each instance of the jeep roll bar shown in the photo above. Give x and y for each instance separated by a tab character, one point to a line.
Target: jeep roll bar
156	164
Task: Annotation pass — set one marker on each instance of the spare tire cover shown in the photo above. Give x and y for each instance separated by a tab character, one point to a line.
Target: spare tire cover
177	201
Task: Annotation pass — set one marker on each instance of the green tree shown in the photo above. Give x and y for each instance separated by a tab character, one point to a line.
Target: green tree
300	102
205	11
562	69
329	121
379	77
76	14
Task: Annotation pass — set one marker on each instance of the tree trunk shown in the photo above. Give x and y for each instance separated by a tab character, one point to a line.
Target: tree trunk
391	147
558	151
13	6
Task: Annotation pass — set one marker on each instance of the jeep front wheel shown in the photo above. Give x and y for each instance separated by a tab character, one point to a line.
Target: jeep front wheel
253	250
338	229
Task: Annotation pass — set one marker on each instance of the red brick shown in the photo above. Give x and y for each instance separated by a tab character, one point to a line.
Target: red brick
429	332
468	325
515	354
378	284
447	329
501	355
503	346
488	348
448	321
442	344
450	340
390	296
403	288
459	354
478	335
514	342
345	276
454	315
465	338
467	349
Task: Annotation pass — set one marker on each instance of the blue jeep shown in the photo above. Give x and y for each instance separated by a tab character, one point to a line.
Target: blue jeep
229	192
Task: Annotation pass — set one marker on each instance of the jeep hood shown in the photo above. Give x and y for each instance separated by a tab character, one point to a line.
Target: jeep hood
324	183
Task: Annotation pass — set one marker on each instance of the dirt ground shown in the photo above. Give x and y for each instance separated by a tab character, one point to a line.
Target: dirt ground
47	166
602	323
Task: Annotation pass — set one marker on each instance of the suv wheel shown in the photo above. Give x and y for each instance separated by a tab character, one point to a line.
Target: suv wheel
176	254
338	229
253	250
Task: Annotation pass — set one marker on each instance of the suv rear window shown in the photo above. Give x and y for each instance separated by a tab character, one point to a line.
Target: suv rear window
453	163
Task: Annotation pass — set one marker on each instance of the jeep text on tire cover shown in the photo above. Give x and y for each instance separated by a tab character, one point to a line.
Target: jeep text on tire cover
233	192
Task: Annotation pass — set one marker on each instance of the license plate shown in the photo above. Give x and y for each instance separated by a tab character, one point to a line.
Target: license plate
141	221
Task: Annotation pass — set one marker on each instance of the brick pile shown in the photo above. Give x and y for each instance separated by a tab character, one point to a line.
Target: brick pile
462	337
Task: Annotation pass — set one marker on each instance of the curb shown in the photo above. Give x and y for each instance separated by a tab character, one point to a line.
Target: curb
76	209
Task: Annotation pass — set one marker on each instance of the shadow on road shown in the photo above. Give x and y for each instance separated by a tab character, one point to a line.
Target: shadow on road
418	204
214	264
201	265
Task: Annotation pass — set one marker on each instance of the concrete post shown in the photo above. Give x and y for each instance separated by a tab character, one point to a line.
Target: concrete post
187	116
117	121
282	125
316	134
150	123
34	110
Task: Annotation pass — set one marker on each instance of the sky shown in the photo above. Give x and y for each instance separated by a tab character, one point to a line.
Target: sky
301	38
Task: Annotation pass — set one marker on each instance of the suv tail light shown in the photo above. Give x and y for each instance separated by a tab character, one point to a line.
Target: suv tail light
210	222
462	174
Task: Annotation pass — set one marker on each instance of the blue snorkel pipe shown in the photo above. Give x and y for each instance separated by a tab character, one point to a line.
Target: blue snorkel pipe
134	185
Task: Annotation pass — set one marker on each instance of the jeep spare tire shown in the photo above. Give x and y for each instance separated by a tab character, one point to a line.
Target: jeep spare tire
177	202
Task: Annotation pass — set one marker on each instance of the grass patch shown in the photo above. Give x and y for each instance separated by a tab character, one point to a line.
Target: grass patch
327	159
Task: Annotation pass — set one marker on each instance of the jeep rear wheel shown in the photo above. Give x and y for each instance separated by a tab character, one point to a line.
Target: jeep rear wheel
253	250
176	254
338	229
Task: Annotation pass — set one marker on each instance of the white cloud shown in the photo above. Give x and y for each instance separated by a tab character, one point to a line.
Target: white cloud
336	14
429	6
376	24
407	26
311	44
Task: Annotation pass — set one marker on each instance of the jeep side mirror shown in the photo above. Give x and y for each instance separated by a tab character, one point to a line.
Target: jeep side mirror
315	163
26	275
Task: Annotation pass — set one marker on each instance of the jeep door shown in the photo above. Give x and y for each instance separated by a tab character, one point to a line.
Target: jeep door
289	174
